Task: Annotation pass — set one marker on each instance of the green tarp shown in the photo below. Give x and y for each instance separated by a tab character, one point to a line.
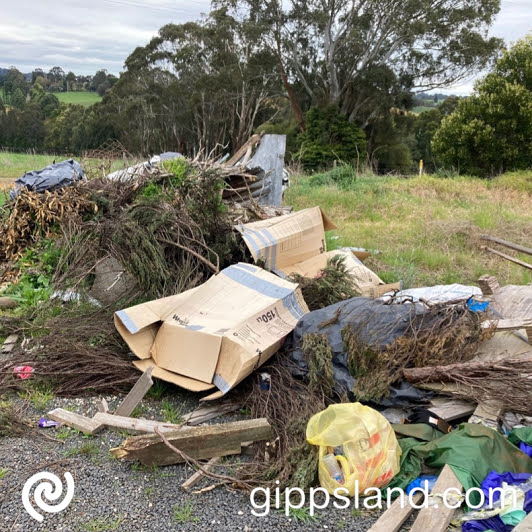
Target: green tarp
471	450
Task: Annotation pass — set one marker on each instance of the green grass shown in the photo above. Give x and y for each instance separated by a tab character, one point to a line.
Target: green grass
170	413
421	109
86	449
79	98
3	472
39	396
14	165
102	524
184	513
428	228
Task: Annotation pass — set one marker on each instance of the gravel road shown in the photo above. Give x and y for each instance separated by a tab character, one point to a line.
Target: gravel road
114	495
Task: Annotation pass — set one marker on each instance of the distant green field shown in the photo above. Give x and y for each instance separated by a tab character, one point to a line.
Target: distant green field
79	98
421	109
14	165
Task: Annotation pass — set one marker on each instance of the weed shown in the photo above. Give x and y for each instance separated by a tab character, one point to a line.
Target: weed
102	524
39	395
184	513
356	513
158	389
86	449
63	433
148	491
171	413
302	515
3	473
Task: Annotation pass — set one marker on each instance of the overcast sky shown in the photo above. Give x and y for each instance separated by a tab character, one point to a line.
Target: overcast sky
85	36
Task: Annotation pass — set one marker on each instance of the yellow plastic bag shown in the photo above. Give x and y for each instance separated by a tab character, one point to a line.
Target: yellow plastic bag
362	443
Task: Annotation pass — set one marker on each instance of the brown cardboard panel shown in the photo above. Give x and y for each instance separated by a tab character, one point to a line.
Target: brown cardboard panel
168	376
287	240
218	333
190	353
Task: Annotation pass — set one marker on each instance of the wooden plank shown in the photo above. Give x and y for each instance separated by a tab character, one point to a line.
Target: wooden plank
9	344
198	475
103	406
206	441
133	425
508	244
203	414
81	423
525	525
437	516
488	284
451	409
393	518
136	394
508	257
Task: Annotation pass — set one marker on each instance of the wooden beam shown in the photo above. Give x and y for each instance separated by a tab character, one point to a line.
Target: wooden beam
9	344
252	141
81	423
201	442
136	394
132	424
508	257
393	518
198	475
437	516
506	243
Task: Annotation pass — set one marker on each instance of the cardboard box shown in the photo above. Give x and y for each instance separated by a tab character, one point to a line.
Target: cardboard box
216	334
295	243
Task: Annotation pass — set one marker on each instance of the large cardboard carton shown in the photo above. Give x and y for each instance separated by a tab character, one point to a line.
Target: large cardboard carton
295	243
216	334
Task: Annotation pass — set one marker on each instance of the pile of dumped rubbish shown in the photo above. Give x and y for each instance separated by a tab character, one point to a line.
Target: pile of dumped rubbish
191	271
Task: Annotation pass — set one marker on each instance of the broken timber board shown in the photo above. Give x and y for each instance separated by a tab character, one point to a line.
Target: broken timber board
103	406
488	413
132	424
136	394
508	244
201	442
252	141
9	344
207	413
451	409
76	421
197	476
393	518
437	516
511	325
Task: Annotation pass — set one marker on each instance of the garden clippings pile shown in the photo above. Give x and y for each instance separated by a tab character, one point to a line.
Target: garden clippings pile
171	230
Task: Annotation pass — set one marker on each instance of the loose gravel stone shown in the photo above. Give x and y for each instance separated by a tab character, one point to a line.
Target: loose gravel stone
125	496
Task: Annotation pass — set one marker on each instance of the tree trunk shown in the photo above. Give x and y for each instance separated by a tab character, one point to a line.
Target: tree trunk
292	97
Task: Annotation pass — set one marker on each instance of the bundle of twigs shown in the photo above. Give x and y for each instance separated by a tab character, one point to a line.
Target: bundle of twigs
508	382
444	332
80	354
288	404
333	284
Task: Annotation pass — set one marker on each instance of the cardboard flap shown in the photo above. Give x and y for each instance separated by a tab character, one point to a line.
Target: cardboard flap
194	352
168	376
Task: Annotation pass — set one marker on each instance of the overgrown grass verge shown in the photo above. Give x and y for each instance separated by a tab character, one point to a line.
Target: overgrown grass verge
428	228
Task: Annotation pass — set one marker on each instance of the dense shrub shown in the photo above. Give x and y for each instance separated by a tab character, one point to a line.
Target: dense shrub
330	137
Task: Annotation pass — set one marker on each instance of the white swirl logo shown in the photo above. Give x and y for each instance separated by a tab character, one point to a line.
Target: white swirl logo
52	491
